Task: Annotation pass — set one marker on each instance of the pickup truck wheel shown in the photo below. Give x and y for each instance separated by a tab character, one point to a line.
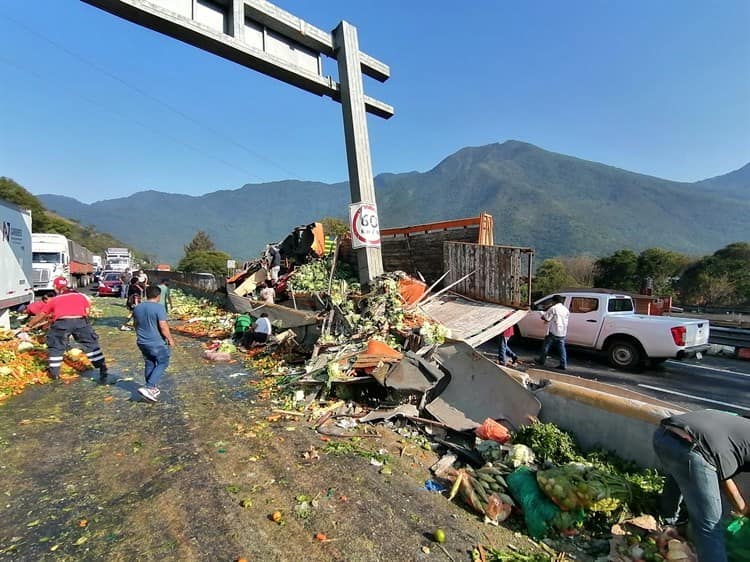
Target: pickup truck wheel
624	354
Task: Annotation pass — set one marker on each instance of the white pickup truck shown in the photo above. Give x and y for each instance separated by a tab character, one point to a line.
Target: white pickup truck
606	321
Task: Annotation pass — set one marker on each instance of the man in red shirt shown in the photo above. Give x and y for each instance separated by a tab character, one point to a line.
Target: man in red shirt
68	312
35	307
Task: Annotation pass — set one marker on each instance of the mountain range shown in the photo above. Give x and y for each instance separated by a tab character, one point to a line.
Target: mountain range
557	204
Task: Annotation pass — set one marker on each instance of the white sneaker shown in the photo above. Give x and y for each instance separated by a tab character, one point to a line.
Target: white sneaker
147	394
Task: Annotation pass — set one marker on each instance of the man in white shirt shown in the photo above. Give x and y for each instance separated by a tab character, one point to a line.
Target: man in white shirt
556	318
261	332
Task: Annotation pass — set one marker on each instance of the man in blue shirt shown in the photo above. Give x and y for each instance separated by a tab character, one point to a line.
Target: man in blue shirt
153	339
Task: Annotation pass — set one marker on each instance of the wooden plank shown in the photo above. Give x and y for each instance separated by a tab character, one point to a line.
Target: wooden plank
499	270
488	333
473	322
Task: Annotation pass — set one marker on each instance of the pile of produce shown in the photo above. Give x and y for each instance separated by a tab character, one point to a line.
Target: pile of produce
379	313
631	542
619	485
313	276
214	328
203	319
484	490
549	442
24	362
186	307
580	486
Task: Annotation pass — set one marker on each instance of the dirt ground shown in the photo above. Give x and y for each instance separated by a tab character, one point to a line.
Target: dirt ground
90	472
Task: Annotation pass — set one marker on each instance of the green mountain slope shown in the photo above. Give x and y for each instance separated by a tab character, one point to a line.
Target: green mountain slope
43	220
558	204
734	184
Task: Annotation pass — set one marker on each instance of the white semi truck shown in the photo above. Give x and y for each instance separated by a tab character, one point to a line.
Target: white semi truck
15	259
54	255
118	259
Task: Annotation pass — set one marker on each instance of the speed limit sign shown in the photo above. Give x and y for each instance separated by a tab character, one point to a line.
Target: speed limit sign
363	221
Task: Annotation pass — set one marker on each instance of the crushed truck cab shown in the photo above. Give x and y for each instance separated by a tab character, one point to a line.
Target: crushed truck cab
606	321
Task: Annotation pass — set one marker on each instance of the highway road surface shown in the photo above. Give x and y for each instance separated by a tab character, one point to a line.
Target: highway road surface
713	382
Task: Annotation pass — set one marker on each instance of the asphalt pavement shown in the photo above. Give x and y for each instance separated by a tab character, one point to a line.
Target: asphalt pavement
712	382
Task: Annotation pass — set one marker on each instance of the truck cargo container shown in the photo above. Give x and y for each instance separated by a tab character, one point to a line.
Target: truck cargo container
15	259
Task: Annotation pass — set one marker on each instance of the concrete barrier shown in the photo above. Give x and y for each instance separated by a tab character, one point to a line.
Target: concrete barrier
606	416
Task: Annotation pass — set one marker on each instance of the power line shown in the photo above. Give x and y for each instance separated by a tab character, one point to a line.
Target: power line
151	97
125	117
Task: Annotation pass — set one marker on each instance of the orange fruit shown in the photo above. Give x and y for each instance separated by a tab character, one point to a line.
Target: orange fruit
276	516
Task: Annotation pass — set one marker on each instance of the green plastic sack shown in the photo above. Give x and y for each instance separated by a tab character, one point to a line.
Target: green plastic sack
538	510
738	539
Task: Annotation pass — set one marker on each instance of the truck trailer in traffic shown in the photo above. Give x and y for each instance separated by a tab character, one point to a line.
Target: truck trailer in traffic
54	255
15	259
118	259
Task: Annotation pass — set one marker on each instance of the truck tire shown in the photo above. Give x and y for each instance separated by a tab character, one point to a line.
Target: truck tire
625	354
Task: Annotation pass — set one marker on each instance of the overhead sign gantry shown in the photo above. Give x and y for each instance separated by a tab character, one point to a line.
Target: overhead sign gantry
263	37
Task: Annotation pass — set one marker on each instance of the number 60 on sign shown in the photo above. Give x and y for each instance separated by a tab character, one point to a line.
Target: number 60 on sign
363	222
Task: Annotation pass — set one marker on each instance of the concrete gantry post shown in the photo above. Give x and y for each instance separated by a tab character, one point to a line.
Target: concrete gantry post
361	182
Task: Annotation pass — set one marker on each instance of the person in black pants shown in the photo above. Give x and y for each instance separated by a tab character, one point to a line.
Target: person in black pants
68	312
700	452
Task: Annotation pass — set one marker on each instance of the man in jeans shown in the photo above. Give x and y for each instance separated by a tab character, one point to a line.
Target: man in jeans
700	452
556	317
153	339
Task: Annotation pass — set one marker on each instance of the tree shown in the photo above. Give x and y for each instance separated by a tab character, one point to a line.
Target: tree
209	261
722	279
551	277
15	193
201	242
663	267
580	269
334	227
618	271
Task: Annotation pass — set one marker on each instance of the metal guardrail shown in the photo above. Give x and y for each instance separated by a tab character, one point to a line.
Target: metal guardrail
735	337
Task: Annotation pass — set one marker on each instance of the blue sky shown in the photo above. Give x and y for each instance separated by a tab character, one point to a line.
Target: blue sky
96	107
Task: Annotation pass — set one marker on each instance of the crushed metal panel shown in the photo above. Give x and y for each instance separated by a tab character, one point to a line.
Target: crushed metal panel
406	410
478	390
413	374
472	321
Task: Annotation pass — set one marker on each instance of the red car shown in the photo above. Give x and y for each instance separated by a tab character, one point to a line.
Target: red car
110	284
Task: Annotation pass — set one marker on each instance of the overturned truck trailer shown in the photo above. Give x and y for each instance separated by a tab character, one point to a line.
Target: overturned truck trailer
418	250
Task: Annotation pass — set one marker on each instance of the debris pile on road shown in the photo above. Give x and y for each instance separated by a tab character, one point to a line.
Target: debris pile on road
200	317
23	361
380	359
642	539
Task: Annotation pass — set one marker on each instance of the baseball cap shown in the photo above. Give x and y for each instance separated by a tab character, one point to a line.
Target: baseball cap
60	283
